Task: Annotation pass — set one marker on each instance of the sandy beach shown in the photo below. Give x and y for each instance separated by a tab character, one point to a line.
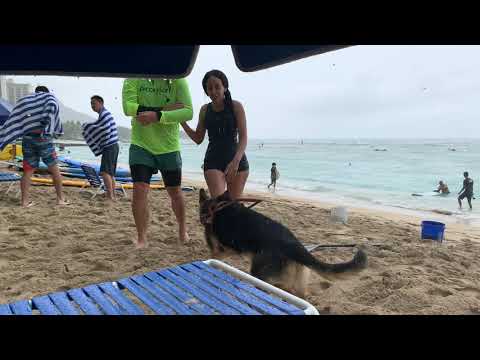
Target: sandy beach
47	248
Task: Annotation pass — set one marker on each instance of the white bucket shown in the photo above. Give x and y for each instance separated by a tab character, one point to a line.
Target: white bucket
339	214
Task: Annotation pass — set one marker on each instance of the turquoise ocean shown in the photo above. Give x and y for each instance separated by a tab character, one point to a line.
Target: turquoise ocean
369	173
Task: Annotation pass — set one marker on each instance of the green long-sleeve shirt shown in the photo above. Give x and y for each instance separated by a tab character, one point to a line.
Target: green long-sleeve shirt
161	137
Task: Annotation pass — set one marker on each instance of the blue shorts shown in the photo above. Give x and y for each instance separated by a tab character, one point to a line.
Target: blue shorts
36	147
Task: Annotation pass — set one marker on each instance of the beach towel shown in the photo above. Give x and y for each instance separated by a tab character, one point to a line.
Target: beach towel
101	133
32	112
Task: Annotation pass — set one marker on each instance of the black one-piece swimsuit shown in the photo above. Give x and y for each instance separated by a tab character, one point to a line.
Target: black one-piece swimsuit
222	140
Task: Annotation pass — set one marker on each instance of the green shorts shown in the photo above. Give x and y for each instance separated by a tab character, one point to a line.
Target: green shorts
166	162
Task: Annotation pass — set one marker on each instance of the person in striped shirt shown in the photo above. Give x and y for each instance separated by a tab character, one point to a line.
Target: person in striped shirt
35	119
102	138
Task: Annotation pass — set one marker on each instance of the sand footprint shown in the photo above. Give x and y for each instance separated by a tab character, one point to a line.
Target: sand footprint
101	266
78	249
125	242
470	291
3	262
18	230
325	285
51	244
440	292
14	253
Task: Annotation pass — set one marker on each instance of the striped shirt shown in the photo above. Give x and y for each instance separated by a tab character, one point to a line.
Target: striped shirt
101	133
39	111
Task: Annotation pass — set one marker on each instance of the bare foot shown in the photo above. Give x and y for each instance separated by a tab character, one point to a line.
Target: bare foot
140	244
62	202
183	239
30	204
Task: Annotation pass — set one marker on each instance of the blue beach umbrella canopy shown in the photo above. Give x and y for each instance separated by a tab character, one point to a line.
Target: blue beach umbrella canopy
5	110
167	61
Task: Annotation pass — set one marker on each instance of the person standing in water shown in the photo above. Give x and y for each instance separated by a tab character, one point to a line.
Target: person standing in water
274	175
467	191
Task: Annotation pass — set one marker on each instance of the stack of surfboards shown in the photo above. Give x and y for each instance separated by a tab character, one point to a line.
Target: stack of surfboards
71	168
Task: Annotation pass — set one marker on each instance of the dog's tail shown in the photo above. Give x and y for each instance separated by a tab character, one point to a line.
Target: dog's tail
303	256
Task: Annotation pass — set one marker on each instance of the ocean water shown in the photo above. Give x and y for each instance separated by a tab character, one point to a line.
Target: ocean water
353	172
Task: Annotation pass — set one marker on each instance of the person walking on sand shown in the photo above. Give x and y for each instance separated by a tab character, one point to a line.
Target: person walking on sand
35	119
102	138
156	106
467	191
274	176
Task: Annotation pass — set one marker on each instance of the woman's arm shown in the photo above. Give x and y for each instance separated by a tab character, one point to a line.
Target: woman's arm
232	167
242	129
199	134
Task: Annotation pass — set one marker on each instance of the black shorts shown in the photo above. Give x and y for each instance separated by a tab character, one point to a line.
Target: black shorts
143	173
109	160
466	195
220	162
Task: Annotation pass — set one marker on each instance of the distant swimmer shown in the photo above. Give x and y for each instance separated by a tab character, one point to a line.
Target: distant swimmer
442	188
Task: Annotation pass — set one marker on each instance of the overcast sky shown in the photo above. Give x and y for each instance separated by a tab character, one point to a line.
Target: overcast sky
357	92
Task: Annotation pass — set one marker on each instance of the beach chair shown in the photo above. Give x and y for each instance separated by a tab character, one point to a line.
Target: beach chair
208	287
12	178
96	182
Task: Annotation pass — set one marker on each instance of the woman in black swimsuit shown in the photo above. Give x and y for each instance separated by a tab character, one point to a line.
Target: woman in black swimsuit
225	164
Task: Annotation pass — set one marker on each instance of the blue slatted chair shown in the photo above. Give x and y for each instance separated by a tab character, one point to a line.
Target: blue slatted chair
96	181
12	178
198	288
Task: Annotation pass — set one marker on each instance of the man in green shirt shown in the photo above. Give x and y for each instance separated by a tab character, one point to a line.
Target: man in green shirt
156	106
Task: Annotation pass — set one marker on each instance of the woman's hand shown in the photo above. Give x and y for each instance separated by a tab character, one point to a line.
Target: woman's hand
147	117
232	170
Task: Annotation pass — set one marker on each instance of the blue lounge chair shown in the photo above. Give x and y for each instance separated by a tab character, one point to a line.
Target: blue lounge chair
199	288
12	178
97	183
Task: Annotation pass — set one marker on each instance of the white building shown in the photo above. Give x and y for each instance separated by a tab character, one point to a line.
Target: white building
3	88
16	91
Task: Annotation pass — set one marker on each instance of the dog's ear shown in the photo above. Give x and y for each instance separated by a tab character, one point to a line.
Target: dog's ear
203	196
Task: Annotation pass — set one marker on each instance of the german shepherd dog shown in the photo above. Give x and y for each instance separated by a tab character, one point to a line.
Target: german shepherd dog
277	256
